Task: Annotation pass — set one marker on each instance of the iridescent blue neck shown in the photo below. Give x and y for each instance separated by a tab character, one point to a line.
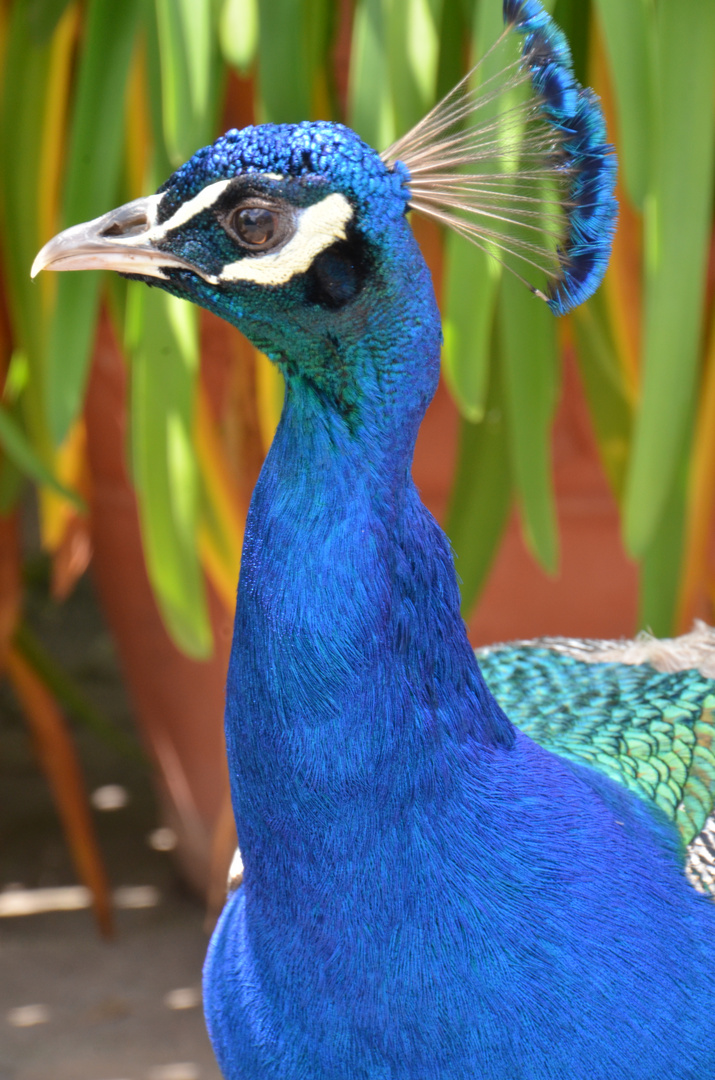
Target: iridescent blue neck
351	675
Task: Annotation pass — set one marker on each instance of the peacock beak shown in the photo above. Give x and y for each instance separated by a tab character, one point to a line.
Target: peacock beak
124	239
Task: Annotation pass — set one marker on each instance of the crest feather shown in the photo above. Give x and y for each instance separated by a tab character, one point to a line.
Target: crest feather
518	162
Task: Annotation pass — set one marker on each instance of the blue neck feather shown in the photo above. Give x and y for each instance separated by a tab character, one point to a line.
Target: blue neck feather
348	596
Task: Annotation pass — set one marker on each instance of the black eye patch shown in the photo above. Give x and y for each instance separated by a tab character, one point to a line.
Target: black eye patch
338	274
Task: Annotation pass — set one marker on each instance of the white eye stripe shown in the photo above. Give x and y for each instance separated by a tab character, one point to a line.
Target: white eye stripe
202	201
205	198
318	226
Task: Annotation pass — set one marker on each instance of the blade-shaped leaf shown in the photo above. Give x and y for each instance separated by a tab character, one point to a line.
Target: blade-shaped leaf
23	110
701	494
413	56
20	451
661	564
371	110
573	17
627	26
189	74
222	518
606	392
678	215
289	61
163	344
91	182
452	34
42	17
238	33
528	339
481	494
471	275
470	291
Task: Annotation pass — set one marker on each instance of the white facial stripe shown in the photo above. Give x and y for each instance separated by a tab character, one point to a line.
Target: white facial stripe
156	233
205	198
319	226
203	201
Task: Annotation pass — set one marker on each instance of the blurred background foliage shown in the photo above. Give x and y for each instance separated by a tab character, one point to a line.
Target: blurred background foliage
102	100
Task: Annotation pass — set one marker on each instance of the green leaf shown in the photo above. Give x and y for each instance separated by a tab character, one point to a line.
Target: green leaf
452	34
574	18
627	27
21	453
528	340
678	223
471	278
163	345
91	182
42	17
481	494
413	57
661	565
610	409
11	484
284	61
23	110
238	33
189	75
471	275
371	109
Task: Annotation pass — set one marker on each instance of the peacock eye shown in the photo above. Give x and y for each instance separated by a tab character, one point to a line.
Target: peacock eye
254	226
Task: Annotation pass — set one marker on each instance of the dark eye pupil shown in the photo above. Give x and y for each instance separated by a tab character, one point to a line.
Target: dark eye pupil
255	225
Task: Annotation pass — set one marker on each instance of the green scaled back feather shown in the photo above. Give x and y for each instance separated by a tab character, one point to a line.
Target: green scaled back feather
652	731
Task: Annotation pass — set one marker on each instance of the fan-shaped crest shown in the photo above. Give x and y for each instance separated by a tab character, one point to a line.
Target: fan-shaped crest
517	161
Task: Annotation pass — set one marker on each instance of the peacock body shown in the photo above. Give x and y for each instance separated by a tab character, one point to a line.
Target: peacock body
432	890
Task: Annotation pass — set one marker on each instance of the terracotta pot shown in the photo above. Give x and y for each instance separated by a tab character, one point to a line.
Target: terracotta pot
178	702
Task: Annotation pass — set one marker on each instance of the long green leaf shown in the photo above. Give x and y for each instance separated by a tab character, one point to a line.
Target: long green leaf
371	109
11	484
20	451
23	110
661	565
627	27
189	74
452	34
238	33
472	276
282	62
610	409
42	17
573	17
678	216
413	58
481	495
528	337
91	183
163	344
470	290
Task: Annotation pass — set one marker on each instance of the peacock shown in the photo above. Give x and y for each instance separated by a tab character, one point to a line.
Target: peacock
455	868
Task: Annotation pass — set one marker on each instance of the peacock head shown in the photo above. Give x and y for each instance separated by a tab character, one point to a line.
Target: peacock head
295	233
